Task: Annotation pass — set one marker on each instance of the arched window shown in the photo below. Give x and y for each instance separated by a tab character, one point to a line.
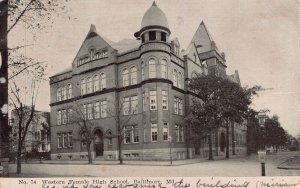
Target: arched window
96	83
143	70
125	77
83	86
179	79
152	68
103	81
89	85
175	77
69	91
164	68
133	75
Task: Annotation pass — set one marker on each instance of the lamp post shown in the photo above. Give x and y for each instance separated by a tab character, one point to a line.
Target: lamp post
262	152
170	140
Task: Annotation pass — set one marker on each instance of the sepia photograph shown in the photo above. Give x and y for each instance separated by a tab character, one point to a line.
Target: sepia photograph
144	88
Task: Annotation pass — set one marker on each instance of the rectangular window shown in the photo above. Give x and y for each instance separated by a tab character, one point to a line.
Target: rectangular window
58	117
127	136
179	80
84	111
135	132
176	133
69	91
163	36
175	105
65	140
154	134
96	110
143	102
179	132
58	94
83	87
59	140
166	131
143	70
180	111
69	115
63	93
64	116
153	97
103	109
164	100
89	85
105	53
152	35
70	140
134	105
126	105
90	111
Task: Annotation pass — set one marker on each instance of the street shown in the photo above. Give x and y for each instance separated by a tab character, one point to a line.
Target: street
244	166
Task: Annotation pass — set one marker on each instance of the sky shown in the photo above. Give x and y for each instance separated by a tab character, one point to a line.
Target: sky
259	37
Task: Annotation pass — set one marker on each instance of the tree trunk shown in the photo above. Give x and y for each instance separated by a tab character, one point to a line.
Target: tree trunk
217	141
227	139
19	153
120	150
210	153
88	146
233	138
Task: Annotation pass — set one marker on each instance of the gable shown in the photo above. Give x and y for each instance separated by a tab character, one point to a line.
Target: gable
202	38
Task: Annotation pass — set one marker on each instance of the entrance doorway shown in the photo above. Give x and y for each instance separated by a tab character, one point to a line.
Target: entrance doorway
98	143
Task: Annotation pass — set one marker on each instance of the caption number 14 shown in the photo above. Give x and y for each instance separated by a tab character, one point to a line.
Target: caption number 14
33	181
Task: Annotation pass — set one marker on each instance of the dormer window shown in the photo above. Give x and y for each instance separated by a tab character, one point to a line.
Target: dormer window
92	54
176	50
152	35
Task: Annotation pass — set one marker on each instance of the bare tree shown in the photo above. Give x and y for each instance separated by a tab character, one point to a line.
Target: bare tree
119	106
79	117
25	113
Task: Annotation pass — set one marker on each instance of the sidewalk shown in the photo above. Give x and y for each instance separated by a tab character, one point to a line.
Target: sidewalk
137	162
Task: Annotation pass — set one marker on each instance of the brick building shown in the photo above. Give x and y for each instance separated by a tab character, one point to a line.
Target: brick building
148	77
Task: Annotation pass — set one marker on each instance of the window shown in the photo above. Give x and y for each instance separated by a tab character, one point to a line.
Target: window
133	105
105	53
152	68
90	111
59	140
166	131
153	105
175	105
64	116
96	110
179	80
176	50
69	115
135	131
126	105
163	36
103	109
69	91
152	35
175	77
96	83
143	70
89	85
58	94
83	87
154	135
92	54
65	140
70	140
133	75
179	133
109	137
164	100
84	111
127	136
125	77
143	38
178	106
163	68
83	140
130	105
143	102
103	81
63	93
59	117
